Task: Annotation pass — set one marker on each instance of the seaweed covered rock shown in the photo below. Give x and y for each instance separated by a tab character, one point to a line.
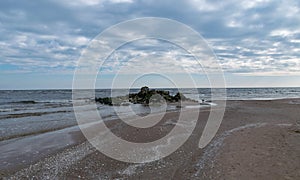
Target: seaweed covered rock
106	100
144	96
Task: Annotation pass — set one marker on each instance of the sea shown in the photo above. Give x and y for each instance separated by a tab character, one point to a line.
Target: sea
30	112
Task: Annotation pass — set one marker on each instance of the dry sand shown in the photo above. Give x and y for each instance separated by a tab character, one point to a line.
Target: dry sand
256	140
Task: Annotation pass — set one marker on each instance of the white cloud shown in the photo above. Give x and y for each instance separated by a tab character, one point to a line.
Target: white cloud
234	24
253	3
92	2
270	73
81	40
121	1
135	61
295	40
283	32
204	5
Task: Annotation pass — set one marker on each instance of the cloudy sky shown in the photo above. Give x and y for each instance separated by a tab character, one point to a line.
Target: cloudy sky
257	42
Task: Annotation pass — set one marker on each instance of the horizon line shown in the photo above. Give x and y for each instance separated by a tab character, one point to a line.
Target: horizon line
233	87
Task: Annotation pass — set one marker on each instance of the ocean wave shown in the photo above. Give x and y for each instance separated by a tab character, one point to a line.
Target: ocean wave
56	101
24	102
39	101
28	114
7	110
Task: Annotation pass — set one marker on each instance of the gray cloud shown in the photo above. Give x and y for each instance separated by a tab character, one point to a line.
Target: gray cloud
260	36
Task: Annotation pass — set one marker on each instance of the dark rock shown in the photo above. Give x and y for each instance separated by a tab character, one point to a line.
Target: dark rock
106	100
27	102
144	96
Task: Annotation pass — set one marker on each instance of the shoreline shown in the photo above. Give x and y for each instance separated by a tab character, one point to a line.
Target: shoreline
238	114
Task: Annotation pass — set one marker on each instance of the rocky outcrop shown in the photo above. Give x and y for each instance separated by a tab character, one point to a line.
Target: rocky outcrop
144	96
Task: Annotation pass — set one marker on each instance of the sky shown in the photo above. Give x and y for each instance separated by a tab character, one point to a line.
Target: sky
257	43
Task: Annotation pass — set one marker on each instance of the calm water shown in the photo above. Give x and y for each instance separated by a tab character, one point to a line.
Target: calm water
30	112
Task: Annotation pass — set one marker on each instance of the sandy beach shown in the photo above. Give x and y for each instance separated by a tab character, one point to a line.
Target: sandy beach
258	139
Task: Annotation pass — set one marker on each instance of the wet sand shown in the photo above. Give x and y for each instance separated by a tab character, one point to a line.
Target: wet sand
256	140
